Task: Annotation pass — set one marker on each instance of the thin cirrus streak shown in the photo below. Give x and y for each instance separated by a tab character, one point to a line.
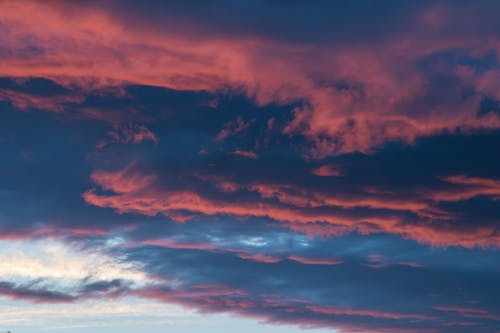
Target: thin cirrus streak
231	299
244	153
312	261
470	312
324	165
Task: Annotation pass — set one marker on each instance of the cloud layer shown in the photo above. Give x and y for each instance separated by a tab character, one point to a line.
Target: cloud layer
323	165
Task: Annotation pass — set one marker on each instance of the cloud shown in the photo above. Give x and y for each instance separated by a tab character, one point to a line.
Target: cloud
470	312
33	294
233	128
224	277
352	96
289	291
312	261
245	153
24	101
327	170
129	133
468	187
369	211
320	168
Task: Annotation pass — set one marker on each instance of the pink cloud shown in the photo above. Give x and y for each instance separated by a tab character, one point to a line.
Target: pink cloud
130	133
135	192
233	128
245	153
382	101
24	101
259	257
470	312
225	299
135	196
369	313
468	188
327	170
311	261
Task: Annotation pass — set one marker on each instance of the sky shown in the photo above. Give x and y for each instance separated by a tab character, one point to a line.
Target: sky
251	165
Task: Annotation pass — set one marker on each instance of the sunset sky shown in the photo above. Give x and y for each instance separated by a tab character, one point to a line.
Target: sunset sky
250	166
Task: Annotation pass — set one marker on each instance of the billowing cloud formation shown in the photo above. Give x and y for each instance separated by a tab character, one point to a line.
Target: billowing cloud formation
334	165
352	94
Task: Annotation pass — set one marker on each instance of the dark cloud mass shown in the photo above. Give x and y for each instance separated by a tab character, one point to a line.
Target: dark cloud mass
321	164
